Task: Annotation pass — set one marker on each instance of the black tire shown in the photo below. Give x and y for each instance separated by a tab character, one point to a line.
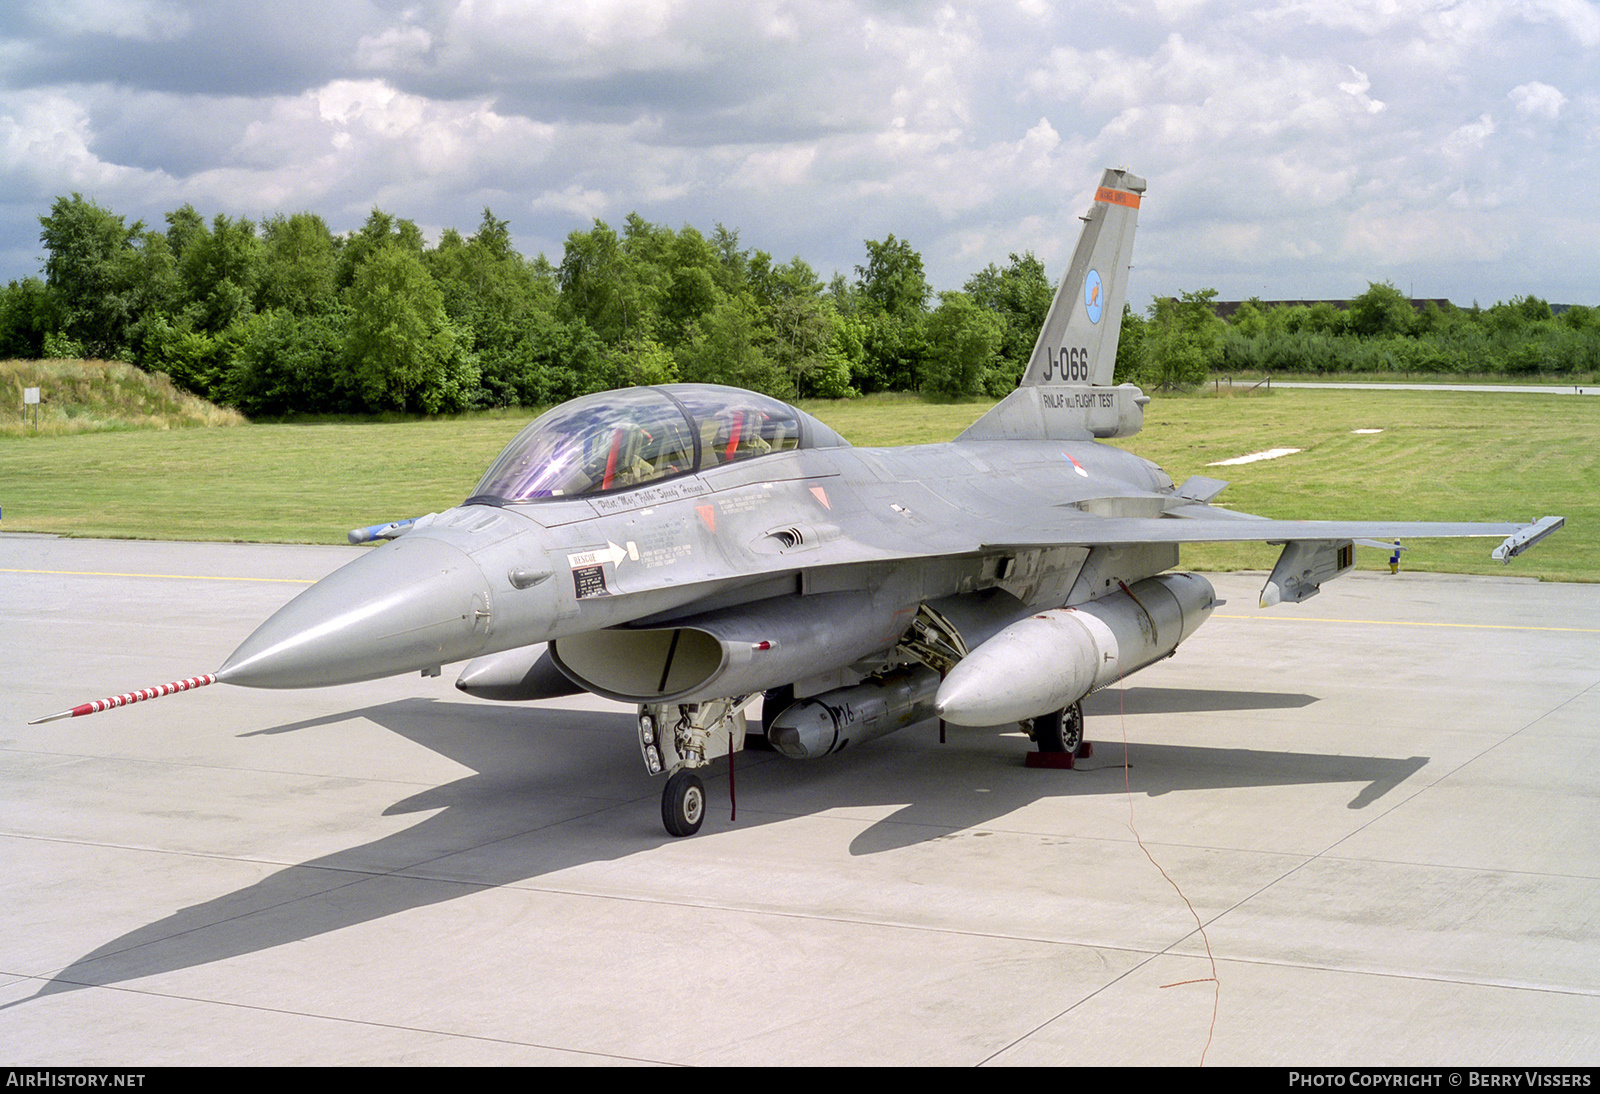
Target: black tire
1059	731
683	803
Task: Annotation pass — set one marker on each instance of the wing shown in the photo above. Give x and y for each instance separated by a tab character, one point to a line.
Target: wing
1203	524
1314	551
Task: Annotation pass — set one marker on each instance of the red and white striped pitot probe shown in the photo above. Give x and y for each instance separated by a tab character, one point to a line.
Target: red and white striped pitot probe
129	697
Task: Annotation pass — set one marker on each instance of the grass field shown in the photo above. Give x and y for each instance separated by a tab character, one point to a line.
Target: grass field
1440	456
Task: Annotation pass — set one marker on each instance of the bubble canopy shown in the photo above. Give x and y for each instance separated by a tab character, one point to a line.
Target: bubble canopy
616	440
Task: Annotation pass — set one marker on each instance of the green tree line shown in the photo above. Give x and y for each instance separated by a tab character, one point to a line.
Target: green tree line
1183	341
285	316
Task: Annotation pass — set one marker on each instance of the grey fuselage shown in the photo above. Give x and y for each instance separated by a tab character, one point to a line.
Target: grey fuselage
875	532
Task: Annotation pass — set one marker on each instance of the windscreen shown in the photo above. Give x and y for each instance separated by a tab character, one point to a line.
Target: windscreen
615	440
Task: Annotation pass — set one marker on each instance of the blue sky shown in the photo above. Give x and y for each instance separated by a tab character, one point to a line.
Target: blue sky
1294	148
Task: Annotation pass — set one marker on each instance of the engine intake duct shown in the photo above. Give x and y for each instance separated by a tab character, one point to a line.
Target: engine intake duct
732	651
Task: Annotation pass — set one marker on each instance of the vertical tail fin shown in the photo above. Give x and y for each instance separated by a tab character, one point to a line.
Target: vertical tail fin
1066	391
1078	343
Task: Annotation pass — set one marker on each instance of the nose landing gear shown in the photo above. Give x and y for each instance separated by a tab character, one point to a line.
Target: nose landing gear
677	738
683	803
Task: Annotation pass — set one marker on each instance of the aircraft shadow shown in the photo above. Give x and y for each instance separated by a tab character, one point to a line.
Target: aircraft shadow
1164	768
1148	700
587	763
1156	769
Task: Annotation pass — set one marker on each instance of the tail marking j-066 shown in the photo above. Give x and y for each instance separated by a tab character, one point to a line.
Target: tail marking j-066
1079	344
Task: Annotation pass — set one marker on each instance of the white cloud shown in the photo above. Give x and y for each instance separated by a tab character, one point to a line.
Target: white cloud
135	20
394	48
569	37
1038	143
1197	91
1386	237
45	140
1470	137
775	20
1578	18
1358	89
786	165
574	200
972	130
1432	36
1537	100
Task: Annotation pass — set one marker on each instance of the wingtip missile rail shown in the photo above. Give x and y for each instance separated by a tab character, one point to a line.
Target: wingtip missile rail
1521	541
128	698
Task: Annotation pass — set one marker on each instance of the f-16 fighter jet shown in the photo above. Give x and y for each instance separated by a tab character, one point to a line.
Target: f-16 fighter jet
690	548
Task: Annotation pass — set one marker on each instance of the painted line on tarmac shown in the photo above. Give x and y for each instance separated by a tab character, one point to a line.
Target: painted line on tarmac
170	577
1406	623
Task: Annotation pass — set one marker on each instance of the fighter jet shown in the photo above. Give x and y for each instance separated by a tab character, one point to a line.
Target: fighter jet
689	548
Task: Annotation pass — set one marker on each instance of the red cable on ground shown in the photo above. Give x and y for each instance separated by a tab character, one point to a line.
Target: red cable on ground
1127	783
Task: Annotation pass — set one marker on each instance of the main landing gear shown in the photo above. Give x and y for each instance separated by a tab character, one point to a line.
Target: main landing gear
677	738
1059	738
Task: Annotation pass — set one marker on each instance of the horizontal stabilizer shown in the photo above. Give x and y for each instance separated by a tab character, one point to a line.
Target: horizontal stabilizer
1200	488
1062	412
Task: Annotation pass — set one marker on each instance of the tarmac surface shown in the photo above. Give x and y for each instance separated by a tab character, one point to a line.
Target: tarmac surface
1381	804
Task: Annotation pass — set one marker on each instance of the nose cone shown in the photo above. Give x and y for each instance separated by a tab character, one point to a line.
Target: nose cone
411	604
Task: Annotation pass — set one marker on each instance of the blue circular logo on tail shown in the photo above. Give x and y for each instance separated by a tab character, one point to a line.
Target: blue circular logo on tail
1093	296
